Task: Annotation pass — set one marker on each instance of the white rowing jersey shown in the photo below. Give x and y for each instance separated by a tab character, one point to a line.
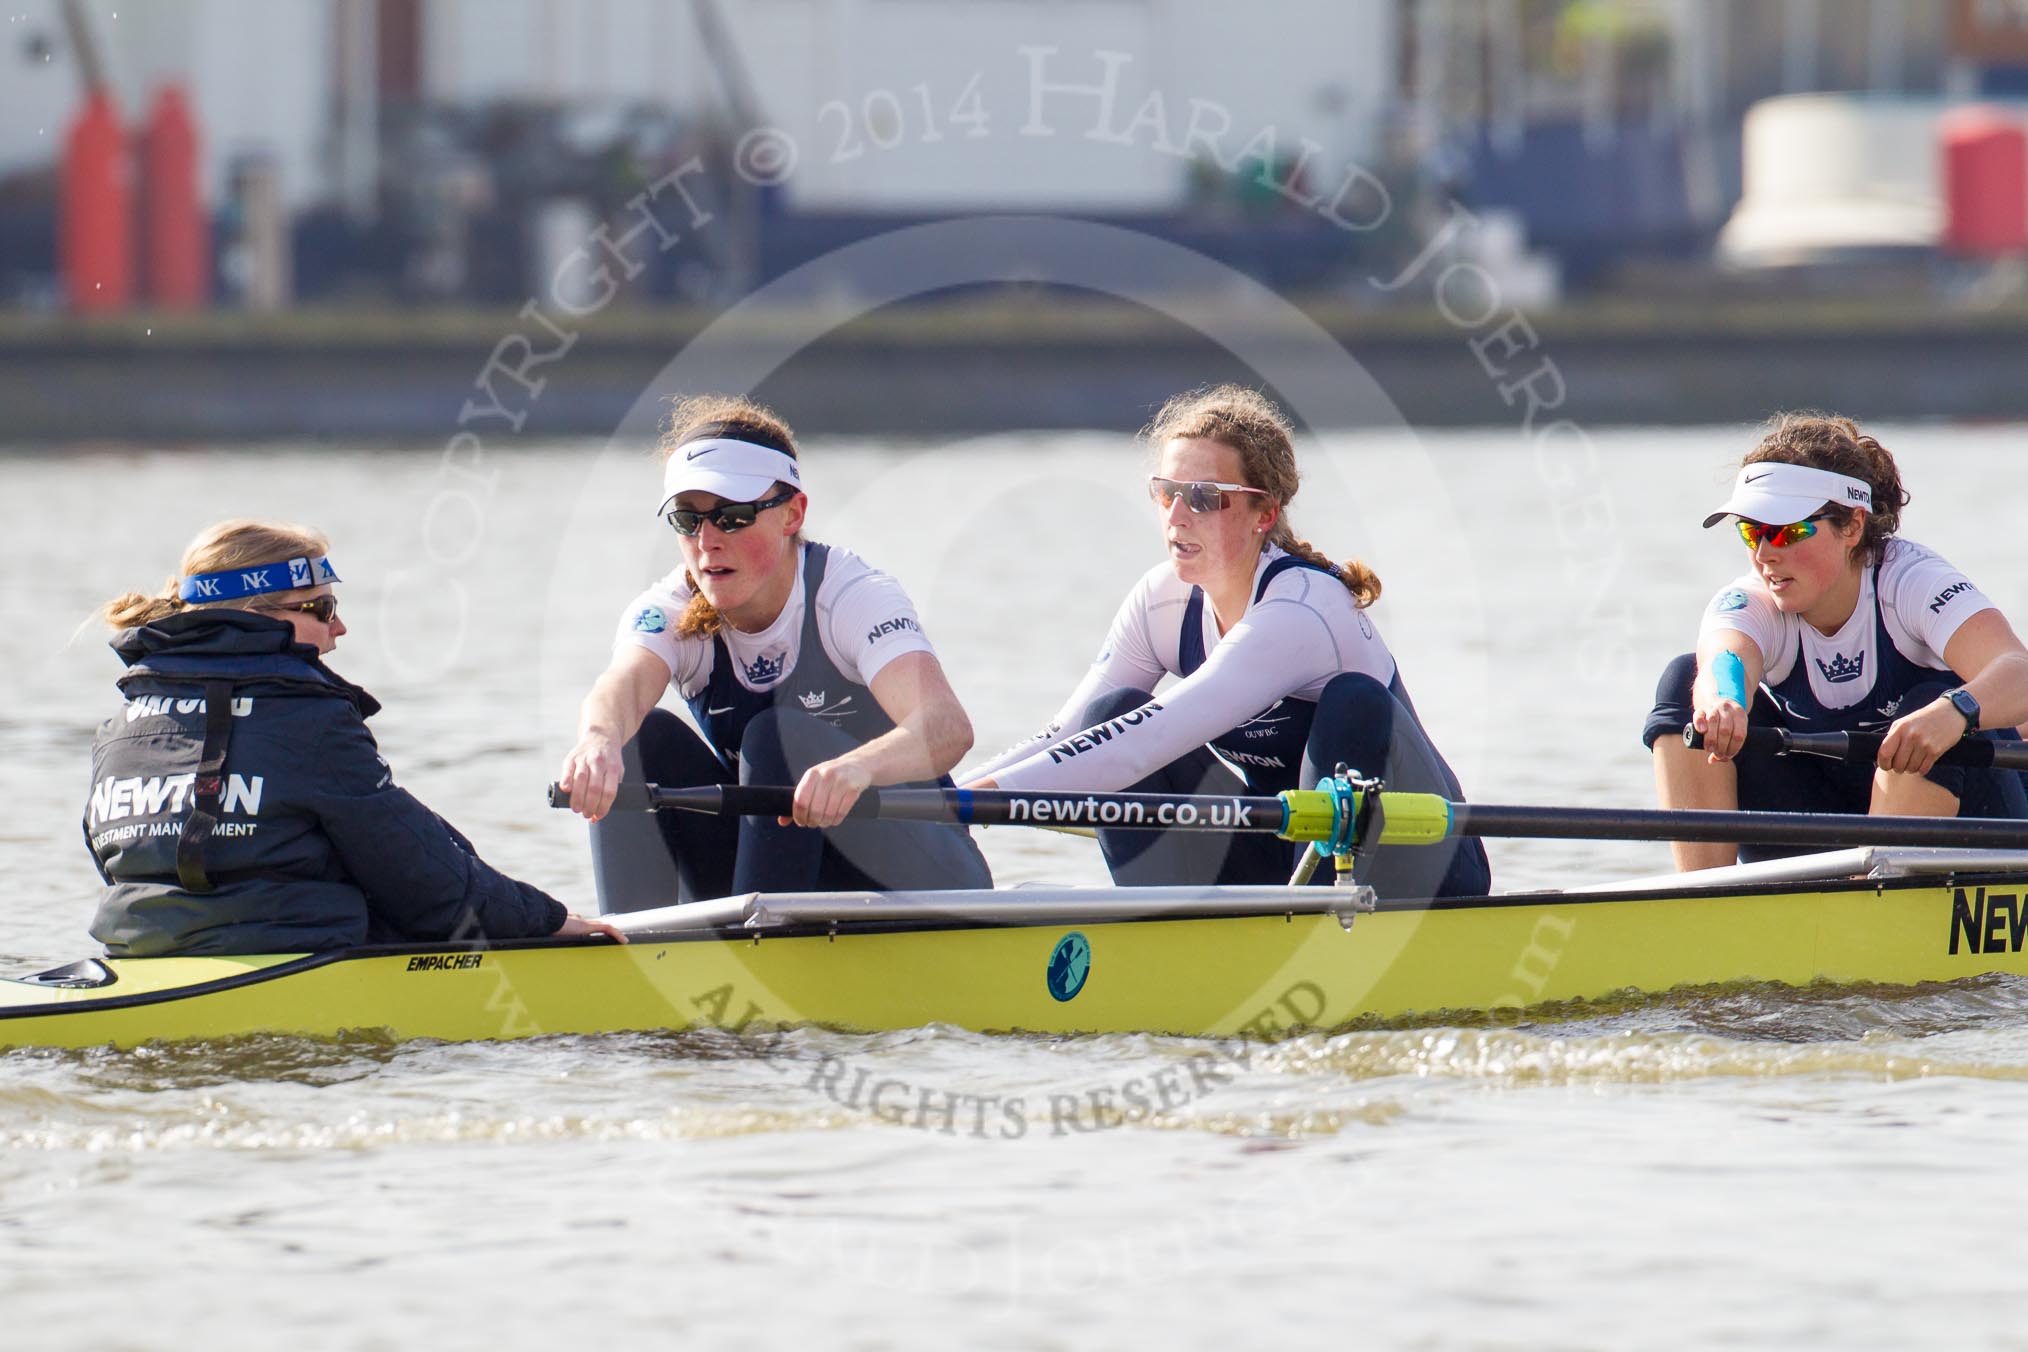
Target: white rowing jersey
1922	602
1303	630
864	621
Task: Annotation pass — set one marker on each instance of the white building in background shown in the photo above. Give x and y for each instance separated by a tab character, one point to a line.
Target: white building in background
1837	174
259	74
921	104
882	98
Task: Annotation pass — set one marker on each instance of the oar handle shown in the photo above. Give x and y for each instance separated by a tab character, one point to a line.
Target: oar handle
732	800
1864	747
631	797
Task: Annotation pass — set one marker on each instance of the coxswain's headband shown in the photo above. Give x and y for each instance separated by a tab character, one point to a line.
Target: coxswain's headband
288	575
738	471
1775	494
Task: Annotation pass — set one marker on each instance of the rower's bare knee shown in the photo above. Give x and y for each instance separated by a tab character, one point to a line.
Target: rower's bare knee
1686	778
1903	795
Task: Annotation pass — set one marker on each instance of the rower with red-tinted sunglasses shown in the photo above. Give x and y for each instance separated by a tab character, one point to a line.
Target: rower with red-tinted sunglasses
1839	626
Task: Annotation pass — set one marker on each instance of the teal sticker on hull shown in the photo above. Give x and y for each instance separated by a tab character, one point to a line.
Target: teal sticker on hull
1069	965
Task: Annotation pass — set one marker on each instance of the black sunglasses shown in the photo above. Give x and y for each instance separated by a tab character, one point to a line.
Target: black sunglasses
325	607
728	517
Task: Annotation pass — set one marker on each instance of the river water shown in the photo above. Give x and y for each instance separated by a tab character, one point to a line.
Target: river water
1829	1168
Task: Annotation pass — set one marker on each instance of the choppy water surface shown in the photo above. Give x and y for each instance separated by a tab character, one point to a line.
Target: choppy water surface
1767	1167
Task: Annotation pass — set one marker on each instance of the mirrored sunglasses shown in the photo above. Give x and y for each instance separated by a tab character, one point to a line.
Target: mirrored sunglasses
1781	537
727	517
1199	495
325	607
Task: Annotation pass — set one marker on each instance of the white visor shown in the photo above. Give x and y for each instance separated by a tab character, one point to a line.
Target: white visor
738	471
1776	494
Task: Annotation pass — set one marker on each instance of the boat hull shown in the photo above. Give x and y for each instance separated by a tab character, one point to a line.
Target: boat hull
1206	975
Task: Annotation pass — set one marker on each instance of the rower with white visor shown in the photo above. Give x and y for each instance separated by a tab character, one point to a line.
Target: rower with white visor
800	663
1840	626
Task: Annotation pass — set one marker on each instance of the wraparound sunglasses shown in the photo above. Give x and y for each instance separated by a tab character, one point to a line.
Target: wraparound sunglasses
728	517
1199	495
1781	537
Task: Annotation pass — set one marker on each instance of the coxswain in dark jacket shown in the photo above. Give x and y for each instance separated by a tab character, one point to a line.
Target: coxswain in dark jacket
308	843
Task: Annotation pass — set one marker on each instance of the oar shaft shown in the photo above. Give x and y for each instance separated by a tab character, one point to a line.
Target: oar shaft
1735	828
1405	818
965	807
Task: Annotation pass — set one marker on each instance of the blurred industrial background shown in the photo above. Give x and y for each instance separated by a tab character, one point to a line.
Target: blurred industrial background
225	217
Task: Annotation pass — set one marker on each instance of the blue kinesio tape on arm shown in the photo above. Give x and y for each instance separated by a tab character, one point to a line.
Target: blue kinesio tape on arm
1728	674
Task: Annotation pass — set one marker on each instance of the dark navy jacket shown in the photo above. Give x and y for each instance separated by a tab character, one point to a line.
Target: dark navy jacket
314	848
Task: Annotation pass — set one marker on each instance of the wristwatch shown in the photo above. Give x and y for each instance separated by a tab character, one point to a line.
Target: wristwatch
1961	700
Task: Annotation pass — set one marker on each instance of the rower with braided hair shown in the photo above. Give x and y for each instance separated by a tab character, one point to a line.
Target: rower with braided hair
1281	672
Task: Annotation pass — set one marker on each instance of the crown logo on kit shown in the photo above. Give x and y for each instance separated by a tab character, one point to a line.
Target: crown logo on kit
813	700
1841	668
764	669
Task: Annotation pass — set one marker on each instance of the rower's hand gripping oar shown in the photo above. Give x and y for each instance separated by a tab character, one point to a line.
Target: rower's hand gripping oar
1864	747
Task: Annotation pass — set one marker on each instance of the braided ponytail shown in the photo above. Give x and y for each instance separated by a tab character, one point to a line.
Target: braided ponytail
1360	580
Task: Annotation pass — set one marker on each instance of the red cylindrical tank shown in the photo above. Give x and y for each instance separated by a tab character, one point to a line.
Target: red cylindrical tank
1985	187
175	233
95	237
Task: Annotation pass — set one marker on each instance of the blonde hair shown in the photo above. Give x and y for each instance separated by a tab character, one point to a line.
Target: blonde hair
1250	424
229	544
720	415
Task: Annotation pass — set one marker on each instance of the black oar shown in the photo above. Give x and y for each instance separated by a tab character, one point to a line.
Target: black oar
1831	830
1864	747
1310	815
1150	811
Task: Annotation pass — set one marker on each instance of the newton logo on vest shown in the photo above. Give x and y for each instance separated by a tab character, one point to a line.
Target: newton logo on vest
115	799
1841	668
